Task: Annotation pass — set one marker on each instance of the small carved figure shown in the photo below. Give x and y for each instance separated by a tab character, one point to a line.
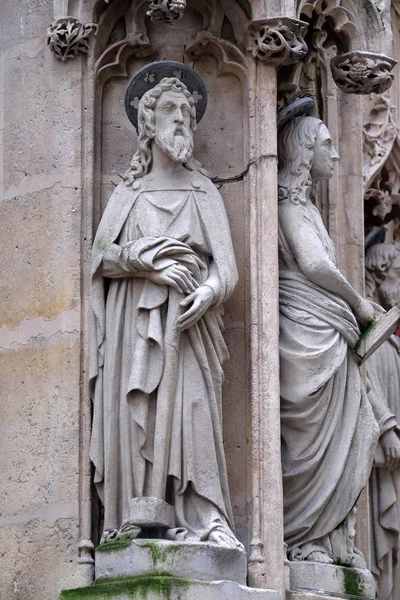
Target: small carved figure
163	265
383	375
329	432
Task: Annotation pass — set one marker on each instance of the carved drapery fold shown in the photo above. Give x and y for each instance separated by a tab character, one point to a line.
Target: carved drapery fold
362	72
278	41
67	37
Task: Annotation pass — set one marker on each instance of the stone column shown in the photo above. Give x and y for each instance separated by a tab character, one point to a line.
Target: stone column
267	555
266	561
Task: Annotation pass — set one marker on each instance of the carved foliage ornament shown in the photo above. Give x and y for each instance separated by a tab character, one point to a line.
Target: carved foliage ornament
379	134
279	40
68	37
166	10
362	72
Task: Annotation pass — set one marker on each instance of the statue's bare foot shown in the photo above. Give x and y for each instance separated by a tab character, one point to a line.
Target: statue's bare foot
358	560
130	530
223	537
108	535
319	557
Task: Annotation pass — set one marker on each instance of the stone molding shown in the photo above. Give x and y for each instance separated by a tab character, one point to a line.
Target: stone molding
67	37
230	58
361	72
166	11
278	41
326	16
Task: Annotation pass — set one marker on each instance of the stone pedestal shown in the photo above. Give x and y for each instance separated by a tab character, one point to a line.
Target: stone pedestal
202	561
158	587
317	578
159	569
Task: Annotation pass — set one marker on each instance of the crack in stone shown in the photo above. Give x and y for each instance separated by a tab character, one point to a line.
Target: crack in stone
222	180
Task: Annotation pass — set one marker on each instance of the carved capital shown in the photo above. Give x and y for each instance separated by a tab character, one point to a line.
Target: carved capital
166	10
68	37
278	41
362	72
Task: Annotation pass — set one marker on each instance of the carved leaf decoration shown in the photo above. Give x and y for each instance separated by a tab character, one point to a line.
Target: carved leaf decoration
68	37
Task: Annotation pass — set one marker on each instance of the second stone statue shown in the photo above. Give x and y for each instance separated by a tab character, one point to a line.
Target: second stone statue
329	432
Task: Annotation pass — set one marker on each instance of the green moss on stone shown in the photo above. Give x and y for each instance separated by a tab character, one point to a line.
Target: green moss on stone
136	587
159	552
352	583
115	545
367	331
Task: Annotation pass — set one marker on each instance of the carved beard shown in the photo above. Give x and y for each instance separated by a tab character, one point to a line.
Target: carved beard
389	295
179	146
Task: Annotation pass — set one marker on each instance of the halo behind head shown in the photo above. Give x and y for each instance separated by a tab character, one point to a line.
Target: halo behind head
301	107
150	75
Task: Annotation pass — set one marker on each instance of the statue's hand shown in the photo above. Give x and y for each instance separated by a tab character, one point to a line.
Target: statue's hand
176	276
366	311
390	443
202	299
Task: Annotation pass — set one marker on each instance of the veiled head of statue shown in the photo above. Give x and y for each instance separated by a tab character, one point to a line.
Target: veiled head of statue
305	154
382	274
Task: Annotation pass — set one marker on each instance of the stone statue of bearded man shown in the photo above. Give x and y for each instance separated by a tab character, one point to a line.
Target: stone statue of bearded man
163	265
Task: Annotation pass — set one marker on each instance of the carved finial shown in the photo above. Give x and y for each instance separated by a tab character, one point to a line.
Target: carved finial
362	72
279	40
166	10
67	37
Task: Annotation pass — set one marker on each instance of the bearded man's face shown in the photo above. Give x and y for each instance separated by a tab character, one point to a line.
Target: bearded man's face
173	132
389	289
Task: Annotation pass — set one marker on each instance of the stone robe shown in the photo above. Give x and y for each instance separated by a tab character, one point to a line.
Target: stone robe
138	355
328	430
383	374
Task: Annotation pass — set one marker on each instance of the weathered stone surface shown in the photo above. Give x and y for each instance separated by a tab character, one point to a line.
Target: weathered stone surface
40	439
40	232
169	588
38	558
331	579
202	561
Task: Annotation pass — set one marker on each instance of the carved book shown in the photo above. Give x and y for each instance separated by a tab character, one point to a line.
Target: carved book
377	333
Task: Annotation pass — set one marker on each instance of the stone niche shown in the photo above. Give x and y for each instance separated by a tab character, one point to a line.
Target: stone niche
220	147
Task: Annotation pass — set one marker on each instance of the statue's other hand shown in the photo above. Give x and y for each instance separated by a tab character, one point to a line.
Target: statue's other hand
390	443
176	276
365	313
201	299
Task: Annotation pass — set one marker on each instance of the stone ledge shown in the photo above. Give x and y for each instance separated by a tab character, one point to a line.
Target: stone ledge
194	560
165	587
331	580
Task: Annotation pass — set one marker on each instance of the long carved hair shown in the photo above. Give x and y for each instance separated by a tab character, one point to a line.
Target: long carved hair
296	142
378	261
141	161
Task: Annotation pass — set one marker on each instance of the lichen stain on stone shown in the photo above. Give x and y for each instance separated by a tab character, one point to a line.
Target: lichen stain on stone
352	583
115	545
159	553
160	585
